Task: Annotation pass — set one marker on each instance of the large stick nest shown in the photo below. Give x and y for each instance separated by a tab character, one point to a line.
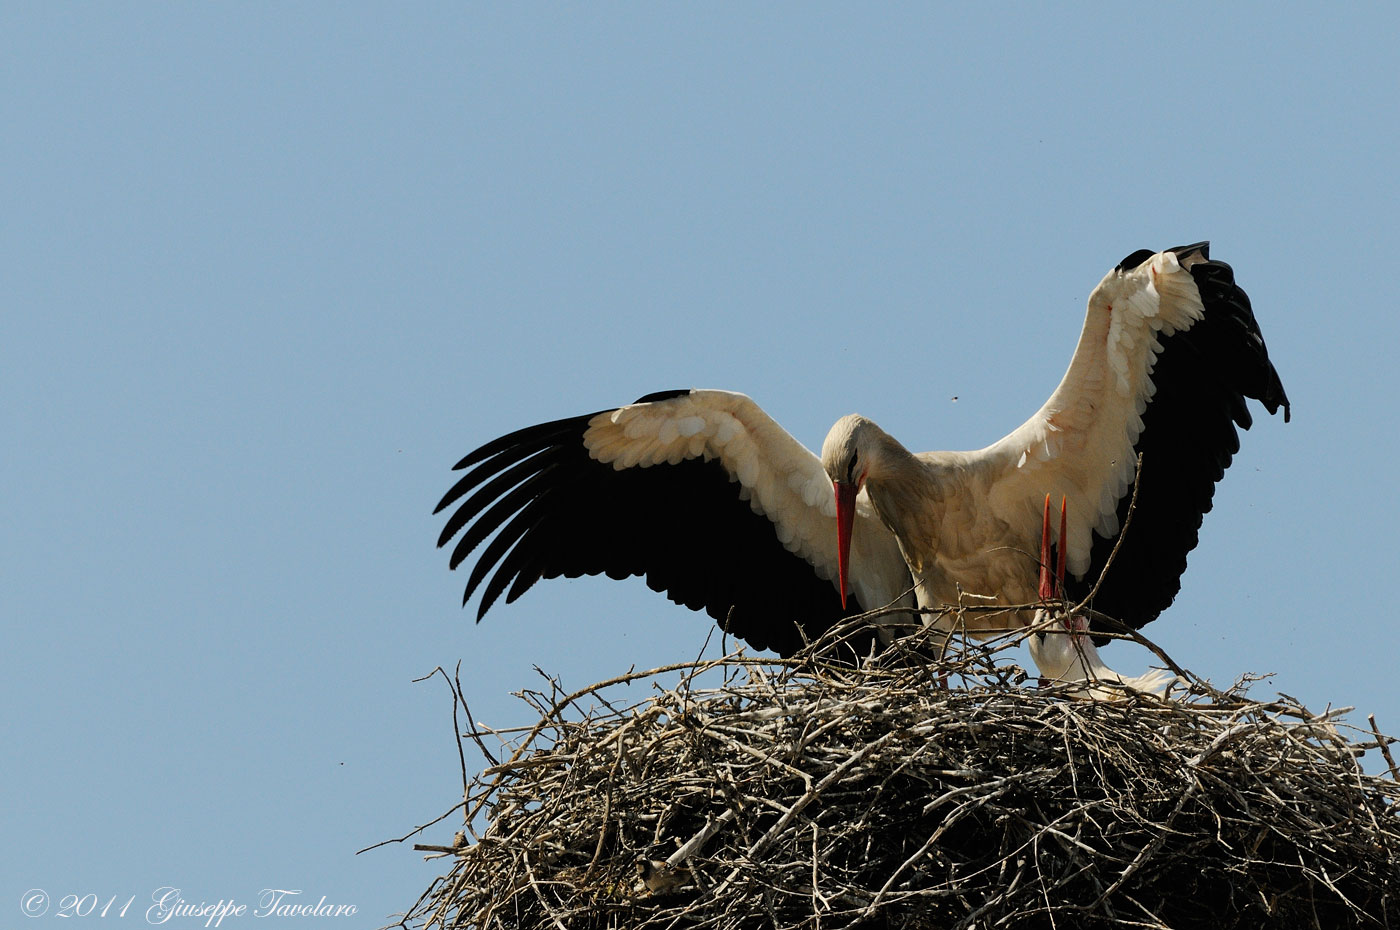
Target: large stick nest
800	793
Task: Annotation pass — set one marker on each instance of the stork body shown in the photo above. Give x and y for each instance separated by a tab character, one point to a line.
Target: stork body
712	501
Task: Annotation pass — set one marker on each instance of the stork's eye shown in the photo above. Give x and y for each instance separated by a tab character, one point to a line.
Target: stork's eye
851	468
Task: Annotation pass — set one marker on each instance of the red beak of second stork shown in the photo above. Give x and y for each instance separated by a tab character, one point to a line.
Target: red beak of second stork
845	512
1051	589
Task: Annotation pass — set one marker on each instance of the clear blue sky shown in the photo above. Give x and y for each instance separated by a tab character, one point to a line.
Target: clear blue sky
269	270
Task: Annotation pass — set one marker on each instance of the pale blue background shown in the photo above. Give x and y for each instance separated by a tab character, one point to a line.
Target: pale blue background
269	270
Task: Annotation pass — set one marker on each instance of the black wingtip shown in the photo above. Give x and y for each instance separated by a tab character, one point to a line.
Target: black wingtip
1133	260
1202	247
1278	399
657	396
1141	255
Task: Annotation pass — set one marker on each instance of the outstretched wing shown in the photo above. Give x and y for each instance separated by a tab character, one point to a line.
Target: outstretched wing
1169	354
700	491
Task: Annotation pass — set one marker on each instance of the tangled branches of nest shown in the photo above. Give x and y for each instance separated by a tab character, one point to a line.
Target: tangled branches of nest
798	793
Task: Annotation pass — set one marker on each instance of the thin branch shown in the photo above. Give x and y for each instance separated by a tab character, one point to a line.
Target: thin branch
1384	743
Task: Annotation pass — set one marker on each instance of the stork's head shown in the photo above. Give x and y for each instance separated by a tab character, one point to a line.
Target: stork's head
847	454
1062	649
1065	653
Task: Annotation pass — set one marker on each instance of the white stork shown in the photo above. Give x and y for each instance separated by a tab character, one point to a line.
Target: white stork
719	507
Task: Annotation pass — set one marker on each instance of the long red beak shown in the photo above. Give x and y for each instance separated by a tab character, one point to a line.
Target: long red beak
845	510
1047	587
1050	587
1064	548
